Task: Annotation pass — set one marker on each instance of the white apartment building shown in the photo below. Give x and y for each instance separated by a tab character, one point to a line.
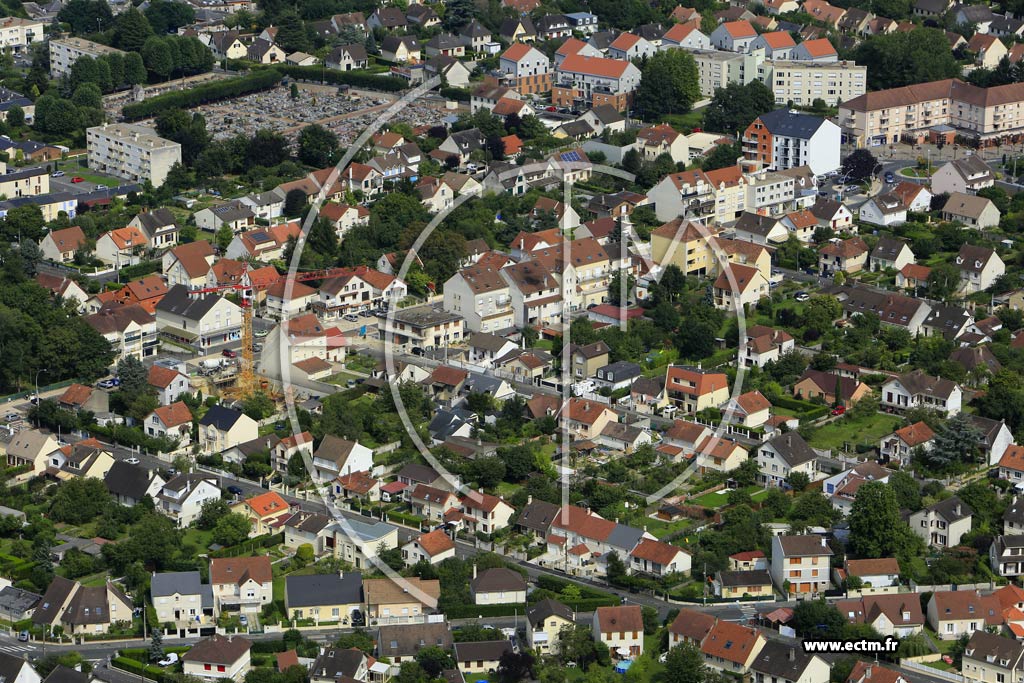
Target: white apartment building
16	34
784	139
803	82
65	52
131	151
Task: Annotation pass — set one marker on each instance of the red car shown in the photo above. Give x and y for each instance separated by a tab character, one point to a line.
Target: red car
78	179
228	353
839	410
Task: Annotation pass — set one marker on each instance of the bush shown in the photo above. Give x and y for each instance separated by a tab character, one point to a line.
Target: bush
359	79
141	270
132	666
263	79
253	544
457	94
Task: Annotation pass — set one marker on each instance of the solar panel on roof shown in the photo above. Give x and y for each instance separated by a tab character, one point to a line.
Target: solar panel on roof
571	156
260	237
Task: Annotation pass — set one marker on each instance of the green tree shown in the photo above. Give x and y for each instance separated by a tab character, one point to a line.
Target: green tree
267	148
87	95
434	660
303	555
231	529
291	33
723	155
685	664
157	57
917	56
798	481
16	117
223	237
733	107
515	666
956	443
211	511
258	405
131	30
318	146
670	84
134	69
876	529
79	500
859	165
167	16
906	489
297	465
818	619
86	16
943	281
156	645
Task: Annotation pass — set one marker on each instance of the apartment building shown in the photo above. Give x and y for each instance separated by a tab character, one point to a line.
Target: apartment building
800	564
783	139
886	116
480	295
803	82
66	51
528	68
592	81
131	151
717	69
16	34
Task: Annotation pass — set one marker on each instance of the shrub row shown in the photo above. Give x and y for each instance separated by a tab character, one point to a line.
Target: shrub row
359	79
138	668
265	541
201	94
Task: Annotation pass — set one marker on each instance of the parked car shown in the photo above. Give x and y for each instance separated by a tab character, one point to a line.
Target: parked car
260	333
23	636
417	351
890	177
171	658
235	490
228	353
101	187
366	314
12	417
57	174
802	296
132	460
350	317
243	620
78	179
839	410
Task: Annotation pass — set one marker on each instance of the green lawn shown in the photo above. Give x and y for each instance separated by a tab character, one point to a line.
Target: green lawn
717	499
340	378
846	429
199	538
661	529
917	172
688	121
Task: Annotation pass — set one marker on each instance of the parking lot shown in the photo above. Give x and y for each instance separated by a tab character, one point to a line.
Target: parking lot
345	115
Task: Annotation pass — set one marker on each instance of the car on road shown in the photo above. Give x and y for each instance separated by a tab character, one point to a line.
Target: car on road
235	490
57	174
34	400
101	187
350	317
228	353
171	658
854	189
12	417
132	460
417	351
890	177
357	618
260	333
256	348
802	296
78	179
366	314
108	383
23	636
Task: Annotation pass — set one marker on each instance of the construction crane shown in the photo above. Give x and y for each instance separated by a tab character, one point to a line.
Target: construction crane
246	384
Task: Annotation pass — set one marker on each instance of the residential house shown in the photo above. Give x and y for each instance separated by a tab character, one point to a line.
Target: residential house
657	558
782	454
400	643
330	598
336	456
173	421
764	344
347	57
915	197
989	657
844	256
433	547
400	601
779	662
816	50
182	497
497	586
199	321
884	209
170	383
82	610
182	599
733	36
221	428
265	512
481	657
218	657
739	286
188	264
129	484
740	584
966	175
60	245
801	564
916	389
980	267
892	614
785	139
241	583
970	210
953	613
620	628
545	620
31	448
731	647
890	254
159	227
944	523
831	388
901	443
694	389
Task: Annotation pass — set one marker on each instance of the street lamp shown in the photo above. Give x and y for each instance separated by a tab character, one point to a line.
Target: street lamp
37	391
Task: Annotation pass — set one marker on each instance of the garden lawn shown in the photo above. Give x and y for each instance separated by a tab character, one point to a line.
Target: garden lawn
717	499
200	538
845	429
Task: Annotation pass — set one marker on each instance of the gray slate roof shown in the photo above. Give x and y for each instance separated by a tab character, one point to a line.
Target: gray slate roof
323	589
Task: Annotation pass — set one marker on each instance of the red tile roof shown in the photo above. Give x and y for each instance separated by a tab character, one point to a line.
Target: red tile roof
435	543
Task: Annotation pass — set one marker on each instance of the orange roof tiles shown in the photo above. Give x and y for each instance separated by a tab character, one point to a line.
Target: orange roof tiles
268	503
435	543
739	29
238	570
175	414
778	39
601	67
